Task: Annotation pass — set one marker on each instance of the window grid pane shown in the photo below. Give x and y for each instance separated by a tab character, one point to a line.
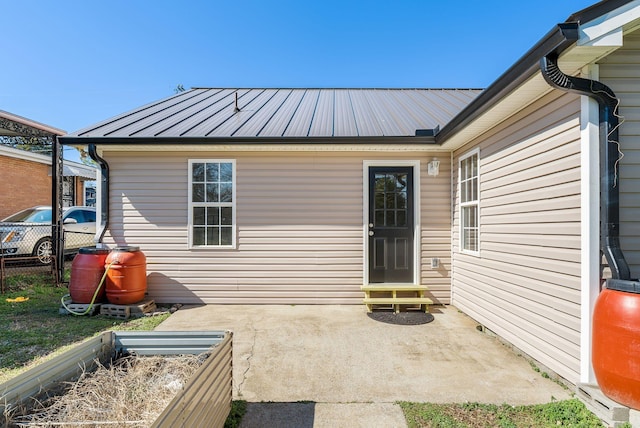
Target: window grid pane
212	198
469	199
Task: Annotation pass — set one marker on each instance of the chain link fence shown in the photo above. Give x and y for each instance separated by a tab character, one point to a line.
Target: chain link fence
29	250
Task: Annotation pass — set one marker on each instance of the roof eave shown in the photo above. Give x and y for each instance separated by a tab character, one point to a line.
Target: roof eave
36	128
561	37
420	139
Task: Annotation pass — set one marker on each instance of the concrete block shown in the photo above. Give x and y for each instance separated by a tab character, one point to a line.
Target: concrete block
612	413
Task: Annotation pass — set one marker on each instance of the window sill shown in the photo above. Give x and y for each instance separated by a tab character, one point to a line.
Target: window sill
470	253
212	247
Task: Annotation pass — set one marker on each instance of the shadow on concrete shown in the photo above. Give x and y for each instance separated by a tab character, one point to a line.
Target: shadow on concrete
281	415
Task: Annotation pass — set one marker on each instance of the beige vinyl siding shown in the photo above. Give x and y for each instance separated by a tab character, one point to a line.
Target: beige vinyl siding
525	283
621	72
435	210
299	216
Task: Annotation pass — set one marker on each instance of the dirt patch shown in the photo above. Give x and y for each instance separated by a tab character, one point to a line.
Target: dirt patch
131	392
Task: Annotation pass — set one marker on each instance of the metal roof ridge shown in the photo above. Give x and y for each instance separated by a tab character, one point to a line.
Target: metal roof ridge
331	88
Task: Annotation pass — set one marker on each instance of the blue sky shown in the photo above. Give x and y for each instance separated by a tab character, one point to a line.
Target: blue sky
70	64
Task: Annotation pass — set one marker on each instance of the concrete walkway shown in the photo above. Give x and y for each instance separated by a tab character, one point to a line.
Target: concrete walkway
333	366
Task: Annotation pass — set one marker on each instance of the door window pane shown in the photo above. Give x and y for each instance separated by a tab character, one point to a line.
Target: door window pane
401	199
390	199
390	218
401	218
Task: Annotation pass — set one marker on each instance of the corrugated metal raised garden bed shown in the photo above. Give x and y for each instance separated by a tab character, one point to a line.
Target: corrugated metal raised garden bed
126	361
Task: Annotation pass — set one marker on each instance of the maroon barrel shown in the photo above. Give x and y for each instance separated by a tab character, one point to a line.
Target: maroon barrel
87	270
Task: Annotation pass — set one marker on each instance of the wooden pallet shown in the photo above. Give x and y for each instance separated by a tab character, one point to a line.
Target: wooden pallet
387	294
128	311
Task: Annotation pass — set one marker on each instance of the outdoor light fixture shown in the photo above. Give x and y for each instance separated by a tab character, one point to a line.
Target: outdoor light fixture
433	167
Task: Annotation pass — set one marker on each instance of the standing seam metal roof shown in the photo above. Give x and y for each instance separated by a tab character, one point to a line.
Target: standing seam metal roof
286	113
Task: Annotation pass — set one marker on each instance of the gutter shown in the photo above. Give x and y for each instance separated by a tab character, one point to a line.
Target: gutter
104	191
558	39
609	158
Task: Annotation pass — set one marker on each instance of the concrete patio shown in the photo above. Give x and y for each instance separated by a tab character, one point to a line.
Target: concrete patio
332	366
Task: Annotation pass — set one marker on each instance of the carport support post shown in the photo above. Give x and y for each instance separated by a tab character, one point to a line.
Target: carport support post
57	263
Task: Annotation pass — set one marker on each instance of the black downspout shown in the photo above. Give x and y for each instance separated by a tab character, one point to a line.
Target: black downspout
609	176
104	189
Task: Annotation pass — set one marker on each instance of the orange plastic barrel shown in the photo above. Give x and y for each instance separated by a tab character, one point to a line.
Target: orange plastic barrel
616	346
87	270
126	275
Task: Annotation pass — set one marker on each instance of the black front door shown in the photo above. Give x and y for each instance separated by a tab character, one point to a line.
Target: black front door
391	224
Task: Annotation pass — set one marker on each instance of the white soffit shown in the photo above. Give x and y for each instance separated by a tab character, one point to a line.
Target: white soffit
526	93
607	30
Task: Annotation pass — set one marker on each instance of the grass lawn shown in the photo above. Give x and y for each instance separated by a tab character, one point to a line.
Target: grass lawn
567	413
34	328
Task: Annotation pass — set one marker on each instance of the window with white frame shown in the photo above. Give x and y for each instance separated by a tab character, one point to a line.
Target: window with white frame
469	203
212	197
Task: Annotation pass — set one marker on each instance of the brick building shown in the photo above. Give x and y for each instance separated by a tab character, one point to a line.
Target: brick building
25	177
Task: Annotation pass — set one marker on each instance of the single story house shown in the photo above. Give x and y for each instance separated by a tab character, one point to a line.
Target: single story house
302	196
25	176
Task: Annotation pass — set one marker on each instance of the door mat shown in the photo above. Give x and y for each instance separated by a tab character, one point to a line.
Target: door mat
401	318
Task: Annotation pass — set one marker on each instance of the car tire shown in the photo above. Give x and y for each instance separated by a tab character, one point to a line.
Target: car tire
43	251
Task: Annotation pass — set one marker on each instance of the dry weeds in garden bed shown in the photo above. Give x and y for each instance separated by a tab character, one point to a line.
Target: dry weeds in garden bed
131	392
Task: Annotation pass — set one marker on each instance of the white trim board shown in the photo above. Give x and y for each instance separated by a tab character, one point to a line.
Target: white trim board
416	212
589	224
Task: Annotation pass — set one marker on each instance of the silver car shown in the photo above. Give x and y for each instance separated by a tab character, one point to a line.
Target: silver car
28	232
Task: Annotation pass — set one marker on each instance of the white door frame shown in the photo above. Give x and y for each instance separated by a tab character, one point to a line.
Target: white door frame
416	213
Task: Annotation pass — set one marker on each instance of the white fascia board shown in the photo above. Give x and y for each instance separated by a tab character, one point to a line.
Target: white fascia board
607	30
24	155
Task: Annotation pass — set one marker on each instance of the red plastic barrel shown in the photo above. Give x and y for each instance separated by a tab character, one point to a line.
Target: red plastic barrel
87	269
616	346
127	275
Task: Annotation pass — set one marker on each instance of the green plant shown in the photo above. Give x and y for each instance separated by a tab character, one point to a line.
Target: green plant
568	413
428	415
238	409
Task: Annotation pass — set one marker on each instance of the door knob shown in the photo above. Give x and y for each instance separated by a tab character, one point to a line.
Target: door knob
370	224
371	233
